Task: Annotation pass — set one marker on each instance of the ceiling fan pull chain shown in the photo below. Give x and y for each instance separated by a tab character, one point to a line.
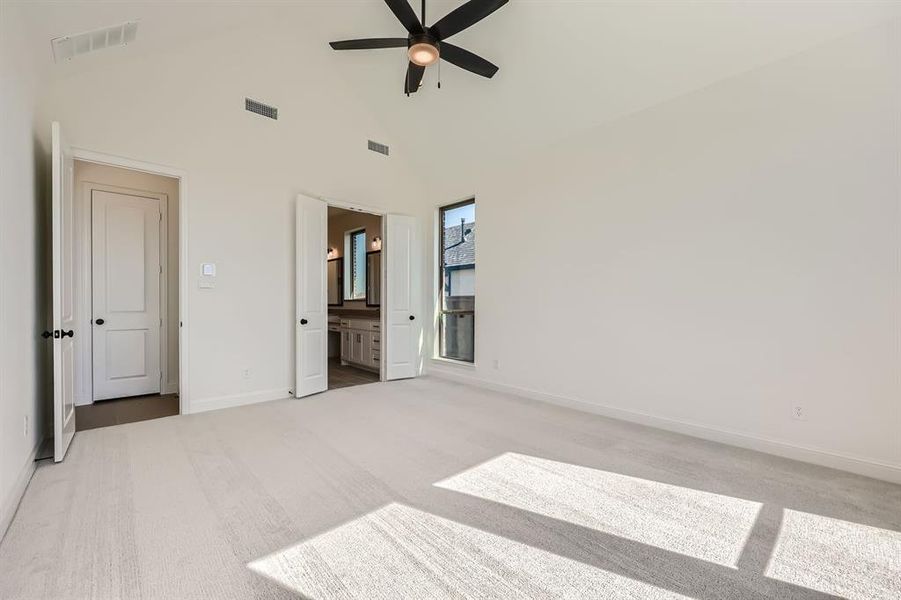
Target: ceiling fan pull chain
439	73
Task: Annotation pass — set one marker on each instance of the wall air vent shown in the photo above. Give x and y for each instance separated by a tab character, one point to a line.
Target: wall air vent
261	109
68	47
377	147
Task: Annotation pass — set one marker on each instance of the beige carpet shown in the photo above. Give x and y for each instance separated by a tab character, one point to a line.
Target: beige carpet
427	489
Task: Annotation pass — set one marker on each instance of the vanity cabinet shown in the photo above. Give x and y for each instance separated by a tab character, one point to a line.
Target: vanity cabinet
346	345
360	339
361	342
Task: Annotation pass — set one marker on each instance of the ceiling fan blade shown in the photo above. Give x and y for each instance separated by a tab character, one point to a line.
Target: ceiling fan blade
413	79
469	14
467	60
369	44
404	13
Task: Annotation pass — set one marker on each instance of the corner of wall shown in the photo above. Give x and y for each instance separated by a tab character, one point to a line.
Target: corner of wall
16	492
24	261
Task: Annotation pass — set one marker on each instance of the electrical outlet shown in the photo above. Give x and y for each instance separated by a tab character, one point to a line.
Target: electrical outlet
25	428
798	413
245	373
497	364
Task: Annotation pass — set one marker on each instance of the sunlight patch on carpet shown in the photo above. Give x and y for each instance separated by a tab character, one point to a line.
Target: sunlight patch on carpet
703	525
401	552
837	557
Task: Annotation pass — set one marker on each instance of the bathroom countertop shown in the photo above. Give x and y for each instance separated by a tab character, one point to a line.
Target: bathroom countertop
354	314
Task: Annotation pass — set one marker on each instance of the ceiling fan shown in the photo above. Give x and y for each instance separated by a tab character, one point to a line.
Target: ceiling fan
426	45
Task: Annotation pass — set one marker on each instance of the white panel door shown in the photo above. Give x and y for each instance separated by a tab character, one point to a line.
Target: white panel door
311	323
403	339
63	251
126	271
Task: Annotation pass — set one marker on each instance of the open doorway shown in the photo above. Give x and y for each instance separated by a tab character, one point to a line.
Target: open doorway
389	345
354	268
125	271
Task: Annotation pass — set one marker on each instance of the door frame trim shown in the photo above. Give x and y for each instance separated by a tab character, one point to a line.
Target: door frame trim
85	155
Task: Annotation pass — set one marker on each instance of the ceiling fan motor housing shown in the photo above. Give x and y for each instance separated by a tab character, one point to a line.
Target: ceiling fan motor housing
423	38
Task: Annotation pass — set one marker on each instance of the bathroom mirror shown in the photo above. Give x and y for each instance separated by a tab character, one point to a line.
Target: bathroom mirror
336	282
374	278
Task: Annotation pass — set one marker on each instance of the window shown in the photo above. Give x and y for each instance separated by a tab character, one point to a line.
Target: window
457	277
355	266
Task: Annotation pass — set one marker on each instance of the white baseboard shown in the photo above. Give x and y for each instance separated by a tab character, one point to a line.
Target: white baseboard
8	509
825	458
216	403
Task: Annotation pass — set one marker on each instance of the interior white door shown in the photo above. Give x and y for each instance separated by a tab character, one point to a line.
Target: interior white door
311	323
126	271
63	253
403	341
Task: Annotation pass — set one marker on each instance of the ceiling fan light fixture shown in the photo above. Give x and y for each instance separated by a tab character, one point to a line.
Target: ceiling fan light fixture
425	45
423	54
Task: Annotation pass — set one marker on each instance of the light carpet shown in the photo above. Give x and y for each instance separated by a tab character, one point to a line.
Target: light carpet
432	489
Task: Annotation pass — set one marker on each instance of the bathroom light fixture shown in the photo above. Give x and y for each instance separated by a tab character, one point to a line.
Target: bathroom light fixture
376	243
330	252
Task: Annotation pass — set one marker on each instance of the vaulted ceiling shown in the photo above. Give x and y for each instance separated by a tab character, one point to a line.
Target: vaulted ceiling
565	66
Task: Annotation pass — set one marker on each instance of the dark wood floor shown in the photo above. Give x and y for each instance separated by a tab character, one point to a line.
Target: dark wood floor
340	376
104	413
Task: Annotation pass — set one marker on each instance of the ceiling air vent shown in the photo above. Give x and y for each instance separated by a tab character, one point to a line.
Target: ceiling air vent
261	109
68	47
377	147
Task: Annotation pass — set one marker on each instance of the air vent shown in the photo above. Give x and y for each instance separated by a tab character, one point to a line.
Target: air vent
261	109
377	147
70	46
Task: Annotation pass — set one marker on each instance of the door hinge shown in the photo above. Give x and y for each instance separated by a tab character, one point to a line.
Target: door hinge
161	217
161	321
161	269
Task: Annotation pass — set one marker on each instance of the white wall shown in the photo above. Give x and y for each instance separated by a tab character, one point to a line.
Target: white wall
185	108
23	366
714	261
87	176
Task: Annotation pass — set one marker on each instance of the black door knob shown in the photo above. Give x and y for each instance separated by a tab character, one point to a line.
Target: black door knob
412	317
303	321
99	321
70	333
47	334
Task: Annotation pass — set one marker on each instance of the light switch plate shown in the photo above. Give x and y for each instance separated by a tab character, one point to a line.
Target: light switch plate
206	284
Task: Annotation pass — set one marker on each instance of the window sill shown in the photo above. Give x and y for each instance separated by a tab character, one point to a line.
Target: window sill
453	362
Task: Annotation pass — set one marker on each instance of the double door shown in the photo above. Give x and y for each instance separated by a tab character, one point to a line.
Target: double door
400	301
